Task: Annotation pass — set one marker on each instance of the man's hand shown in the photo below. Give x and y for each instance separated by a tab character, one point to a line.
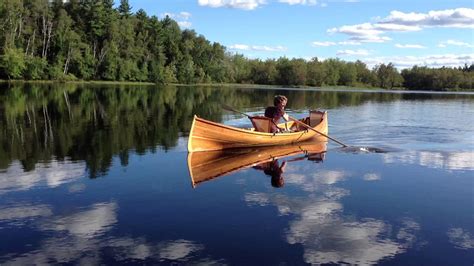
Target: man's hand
286	117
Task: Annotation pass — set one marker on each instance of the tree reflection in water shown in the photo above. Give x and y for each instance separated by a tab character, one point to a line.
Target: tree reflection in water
94	123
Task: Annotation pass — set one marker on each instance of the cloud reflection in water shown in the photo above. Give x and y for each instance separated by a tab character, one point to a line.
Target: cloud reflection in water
325	233
432	159
52	174
460	238
81	237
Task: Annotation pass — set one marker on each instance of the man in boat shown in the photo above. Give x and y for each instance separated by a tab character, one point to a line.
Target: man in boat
277	111
279	102
275	114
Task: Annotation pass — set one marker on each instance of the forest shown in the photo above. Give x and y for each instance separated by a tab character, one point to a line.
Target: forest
102	40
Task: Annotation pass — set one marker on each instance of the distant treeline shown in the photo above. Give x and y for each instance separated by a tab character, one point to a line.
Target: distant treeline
93	40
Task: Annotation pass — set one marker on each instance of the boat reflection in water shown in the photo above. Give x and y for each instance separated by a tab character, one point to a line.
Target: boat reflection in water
204	166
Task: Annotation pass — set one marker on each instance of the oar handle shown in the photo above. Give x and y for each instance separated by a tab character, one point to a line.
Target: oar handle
317	131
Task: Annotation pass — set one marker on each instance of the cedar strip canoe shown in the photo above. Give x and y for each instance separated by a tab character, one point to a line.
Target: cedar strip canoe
210	136
204	166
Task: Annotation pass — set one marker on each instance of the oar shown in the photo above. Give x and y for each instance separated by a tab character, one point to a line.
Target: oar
321	133
226	107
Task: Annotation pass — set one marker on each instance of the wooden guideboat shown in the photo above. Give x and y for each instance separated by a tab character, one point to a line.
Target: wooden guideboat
209	136
204	166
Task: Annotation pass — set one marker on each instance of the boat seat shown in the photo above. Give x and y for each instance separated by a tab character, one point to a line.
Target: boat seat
262	123
315	117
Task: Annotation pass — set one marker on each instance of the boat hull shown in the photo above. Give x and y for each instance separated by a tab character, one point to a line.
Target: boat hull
210	136
205	166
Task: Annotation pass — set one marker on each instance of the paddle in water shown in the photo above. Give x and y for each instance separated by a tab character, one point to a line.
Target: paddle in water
344	147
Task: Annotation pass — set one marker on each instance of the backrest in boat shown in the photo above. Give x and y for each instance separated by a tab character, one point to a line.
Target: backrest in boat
262	123
315	117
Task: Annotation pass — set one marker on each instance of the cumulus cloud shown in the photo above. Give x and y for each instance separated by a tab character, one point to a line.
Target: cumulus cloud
440	60
323	43
299	2
359	52
238	4
454	18
365	32
182	18
263	48
412	46
455	43
402	22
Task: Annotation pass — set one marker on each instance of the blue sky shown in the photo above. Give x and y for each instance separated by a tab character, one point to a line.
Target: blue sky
405	32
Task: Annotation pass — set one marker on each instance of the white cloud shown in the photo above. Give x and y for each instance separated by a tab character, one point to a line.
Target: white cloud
413	46
455	43
182	18
323	43
365	32
185	15
184	24
238	4
327	43
401	22
349	43
359	52
264	48
395	27
299	2
447	60
454	18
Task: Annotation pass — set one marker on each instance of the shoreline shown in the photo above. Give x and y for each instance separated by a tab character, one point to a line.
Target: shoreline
238	85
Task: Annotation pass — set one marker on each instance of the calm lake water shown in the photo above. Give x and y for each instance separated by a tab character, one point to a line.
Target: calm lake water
99	175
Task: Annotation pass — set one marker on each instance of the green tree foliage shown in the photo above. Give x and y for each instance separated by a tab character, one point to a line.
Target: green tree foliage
93	40
13	63
388	76
424	78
